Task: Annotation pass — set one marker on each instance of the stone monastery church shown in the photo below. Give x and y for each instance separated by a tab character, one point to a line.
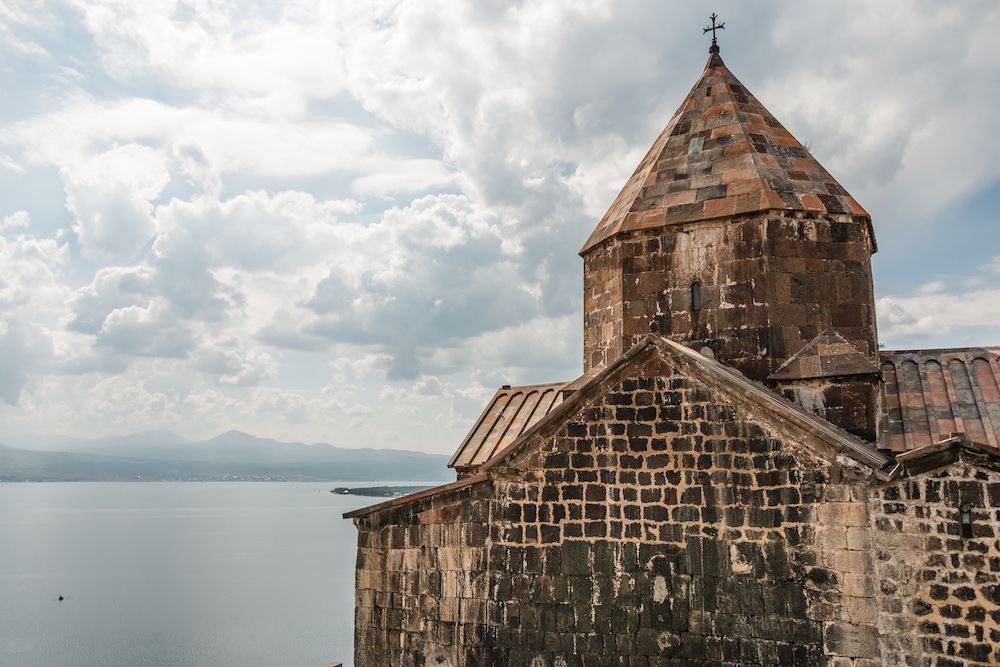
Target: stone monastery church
739	477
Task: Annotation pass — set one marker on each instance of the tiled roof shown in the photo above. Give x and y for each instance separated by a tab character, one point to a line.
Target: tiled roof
827	355
933	394
720	155
510	412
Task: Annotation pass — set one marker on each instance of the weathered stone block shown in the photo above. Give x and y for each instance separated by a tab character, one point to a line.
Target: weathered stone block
846	639
843	514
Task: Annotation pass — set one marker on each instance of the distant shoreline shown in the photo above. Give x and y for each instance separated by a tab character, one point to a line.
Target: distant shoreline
231	457
379	491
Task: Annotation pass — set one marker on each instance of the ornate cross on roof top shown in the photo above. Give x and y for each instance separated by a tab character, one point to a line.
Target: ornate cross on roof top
721	26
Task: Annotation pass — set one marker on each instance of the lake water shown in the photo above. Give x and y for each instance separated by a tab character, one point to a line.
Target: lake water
180	573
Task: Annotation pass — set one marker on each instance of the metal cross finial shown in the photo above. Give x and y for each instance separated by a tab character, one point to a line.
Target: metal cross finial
721	26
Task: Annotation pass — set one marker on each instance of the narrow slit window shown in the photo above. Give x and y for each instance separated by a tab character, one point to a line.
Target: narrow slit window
966	517
695	297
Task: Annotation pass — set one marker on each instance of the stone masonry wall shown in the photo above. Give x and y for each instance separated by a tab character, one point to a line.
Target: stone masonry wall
939	596
769	285
421	581
851	404
662	525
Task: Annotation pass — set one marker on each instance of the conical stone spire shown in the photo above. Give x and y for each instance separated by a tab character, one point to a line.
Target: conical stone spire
733	239
722	154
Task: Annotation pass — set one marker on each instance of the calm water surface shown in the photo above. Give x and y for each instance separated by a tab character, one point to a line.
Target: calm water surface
179	573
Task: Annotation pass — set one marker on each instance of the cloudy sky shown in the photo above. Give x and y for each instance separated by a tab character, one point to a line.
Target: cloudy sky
350	222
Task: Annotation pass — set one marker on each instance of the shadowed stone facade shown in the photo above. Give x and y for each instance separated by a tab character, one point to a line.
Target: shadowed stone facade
660	518
422	584
830	377
670	515
721	491
768	285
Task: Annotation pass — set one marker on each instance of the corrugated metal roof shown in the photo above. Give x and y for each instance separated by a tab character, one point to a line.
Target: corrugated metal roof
510	412
934	393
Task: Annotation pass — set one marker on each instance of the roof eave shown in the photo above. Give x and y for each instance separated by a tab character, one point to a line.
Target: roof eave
946	452
419	495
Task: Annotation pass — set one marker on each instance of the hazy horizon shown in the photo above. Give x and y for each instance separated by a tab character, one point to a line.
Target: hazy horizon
55	438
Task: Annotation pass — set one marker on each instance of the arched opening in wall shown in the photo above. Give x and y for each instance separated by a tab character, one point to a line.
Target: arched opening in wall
695	297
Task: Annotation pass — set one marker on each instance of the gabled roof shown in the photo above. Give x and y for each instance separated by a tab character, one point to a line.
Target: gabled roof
721	154
933	394
510	412
825	356
808	429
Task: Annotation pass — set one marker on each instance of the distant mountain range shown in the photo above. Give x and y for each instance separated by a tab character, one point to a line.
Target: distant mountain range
161	455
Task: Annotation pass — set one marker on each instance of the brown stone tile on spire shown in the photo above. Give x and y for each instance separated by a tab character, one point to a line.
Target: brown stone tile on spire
722	154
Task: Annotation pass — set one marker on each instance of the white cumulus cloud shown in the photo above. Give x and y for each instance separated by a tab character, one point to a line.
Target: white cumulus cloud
111	197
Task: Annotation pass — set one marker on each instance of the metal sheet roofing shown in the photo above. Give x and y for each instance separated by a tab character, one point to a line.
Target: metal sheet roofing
510	412
933	394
